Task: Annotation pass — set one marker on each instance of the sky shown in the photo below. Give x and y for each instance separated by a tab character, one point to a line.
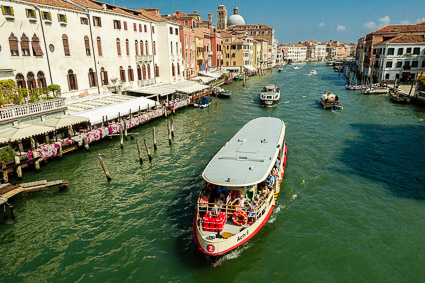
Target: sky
300	20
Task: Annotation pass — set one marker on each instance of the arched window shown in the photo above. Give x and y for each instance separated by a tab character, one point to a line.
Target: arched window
178	69
25	45
144	72
156	71
104	76
99	46
177	48
41	80
13	44
92	78
72	80
149	71
173	70
118	47
122	74
130	74
154	48
171	48
20	81
31	80
141	48
136	47
66	45
127	47
147	47
139	73
87	45
36	49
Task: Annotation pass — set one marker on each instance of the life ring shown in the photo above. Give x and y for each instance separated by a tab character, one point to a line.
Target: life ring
240	218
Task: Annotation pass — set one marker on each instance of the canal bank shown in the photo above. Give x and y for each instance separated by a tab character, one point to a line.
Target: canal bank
352	201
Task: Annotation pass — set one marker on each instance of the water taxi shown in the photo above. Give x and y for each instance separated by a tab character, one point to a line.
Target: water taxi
270	95
330	101
313	72
295	67
205	101
242	187
399	97
221	92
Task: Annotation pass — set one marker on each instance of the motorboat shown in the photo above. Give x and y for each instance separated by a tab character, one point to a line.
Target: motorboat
222	93
242	187
353	87
295	67
330	101
399	97
280	70
270	95
376	90
205	101
313	72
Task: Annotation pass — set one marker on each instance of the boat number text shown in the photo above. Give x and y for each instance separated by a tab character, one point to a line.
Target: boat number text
243	235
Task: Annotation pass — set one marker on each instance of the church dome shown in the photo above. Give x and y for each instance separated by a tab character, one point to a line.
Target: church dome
235	20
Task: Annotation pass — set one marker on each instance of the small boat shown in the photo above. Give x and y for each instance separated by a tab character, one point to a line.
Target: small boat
239	78
295	67
280	70
330	101
313	72
242	187
205	101
353	87
270	95
376	90
399	97
223	93
330	63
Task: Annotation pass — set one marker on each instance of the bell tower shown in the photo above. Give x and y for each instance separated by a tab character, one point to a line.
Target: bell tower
221	17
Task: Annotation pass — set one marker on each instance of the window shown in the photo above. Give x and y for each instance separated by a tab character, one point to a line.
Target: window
97	21
127	47
186	22
84	21
65	45
99	46
171	48
46	16
141	48
423	64
87	45
156	71
177	48
30	13
389	64
173	70
7	10
20	81
416	50
149	71
140	27
92	78
146	48
117	24
390	51
104	76
36	49
72	80
409	50
25	45
171	30
153	29
154	48
31	81
145	28
135	26
178	69
177	31
387	76
61	18
398	65
130	74
136	47
125	25
139	73
118	47
415	64
122	74
407	64
41	80
400	51
144	72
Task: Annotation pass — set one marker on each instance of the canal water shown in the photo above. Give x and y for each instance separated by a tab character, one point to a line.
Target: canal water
352	206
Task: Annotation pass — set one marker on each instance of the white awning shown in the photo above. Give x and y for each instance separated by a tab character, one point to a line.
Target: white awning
204	80
119	109
252	69
214	75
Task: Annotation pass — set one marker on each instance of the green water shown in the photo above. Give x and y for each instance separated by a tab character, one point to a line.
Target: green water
352	206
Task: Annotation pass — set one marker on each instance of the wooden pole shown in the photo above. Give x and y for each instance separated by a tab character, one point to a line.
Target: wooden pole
169	133
5	175
125	128
154	138
172	127
147	150
37	162
19	168
86	143
121	138
139	151
11	210
60	150
104	168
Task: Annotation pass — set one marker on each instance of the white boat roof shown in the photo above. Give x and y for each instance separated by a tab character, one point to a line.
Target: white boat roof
249	156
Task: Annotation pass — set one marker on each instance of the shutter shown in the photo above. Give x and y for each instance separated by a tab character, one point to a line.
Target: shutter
106	78
147	48
99	48
87	43
36	46
118	48
141	48
24	84
25	43
59	18
100	22
65	18
66	46
95	79
13	43
27	12
144	72
69	83
76	83
2	10
38	83
136	48
49	16
125	25
11	11
149	72
90	82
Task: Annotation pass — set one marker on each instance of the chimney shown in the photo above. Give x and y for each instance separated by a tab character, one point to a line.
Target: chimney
104	6
210	18
195	12
177	12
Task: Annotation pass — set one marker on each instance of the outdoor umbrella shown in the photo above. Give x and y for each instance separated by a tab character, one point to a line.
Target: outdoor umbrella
63	121
24	131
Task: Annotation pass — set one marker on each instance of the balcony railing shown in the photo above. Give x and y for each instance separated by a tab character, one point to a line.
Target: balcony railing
19	111
146	82
144	58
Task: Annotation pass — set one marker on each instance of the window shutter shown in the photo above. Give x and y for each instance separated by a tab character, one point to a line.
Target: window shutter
125	25
49	16
95	79
2	10
90	82
66	45
27	12
36	46
76	83
106	78
59	18
13	44
100	22
65	18
99	47
11	11
69	83
25	43
86	42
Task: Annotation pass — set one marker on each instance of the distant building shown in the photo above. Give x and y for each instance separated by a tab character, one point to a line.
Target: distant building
221	17
315	50
295	52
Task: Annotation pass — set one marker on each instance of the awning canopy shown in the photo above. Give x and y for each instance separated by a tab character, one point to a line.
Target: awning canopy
166	89
204	80
250	68
64	121
214	75
20	132
96	115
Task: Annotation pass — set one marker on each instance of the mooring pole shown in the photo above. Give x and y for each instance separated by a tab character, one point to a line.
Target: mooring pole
172	127
139	150
121	138
19	168
154	138
104	168
147	150
169	133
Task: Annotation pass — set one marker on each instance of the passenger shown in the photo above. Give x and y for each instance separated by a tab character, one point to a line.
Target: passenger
270	181
204	200
221	190
219	204
277	163
274	173
255	202
265	193
240	201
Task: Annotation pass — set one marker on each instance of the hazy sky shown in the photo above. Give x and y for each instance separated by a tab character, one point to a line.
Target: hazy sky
298	20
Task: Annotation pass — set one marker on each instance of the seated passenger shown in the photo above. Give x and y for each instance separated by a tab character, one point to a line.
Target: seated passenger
265	192
270	181
204	199
219	204
221	190
277	163
240	201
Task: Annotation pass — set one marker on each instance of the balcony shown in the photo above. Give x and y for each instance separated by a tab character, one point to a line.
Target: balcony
144	58
41	107
146	82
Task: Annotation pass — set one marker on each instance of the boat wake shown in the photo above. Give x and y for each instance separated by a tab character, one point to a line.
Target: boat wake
286	101
235	253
